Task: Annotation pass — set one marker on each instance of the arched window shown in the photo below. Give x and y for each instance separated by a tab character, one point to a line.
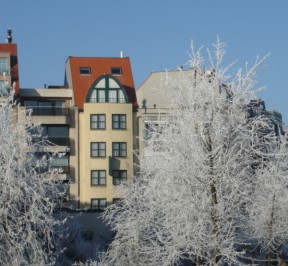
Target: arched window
106	89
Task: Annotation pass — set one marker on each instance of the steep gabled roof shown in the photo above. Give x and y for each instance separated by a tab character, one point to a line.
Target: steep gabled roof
99	66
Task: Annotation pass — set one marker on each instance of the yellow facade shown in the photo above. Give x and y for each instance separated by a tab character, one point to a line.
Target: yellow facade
108	136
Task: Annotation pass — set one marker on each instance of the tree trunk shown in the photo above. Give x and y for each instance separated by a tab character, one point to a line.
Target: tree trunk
213	211
215	230
270	228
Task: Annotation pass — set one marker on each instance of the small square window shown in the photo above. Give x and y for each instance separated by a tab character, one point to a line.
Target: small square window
85	70
119	176
119	121
117	71
119	149
97	121
98	204
98	178
98	149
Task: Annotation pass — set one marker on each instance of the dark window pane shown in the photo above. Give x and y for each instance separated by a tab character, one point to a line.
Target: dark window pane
98	203
116	70
85	70
119	176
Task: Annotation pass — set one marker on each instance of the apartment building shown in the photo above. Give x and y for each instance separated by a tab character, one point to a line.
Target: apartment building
93	120
89	122
155	93
9	62
154	96
105	99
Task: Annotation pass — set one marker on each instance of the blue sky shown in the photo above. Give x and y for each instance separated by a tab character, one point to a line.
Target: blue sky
155	34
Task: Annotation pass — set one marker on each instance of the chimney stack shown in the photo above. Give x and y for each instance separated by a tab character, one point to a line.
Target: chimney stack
9	36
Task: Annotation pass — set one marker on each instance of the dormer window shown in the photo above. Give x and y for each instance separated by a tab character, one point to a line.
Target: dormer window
106	89
116	71
85	70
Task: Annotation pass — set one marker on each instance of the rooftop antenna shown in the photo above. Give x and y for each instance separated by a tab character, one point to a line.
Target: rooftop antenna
121	54
9	36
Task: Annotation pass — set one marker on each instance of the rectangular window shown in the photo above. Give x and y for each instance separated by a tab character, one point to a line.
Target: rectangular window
117	71
93	97
112	96
119	121
119	149
121	97
101	96
46	107
98	204
119	176
58	135
98	178
3	65
50	162
98	149
97	122
60	162
59	107
30	103
85	70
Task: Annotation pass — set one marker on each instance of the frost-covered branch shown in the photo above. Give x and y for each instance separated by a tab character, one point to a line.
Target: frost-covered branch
27	195
200	171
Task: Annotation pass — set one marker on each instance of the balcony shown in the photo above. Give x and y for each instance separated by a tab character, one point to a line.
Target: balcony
48	111
52	145
53	141
59	141
48	115
61	169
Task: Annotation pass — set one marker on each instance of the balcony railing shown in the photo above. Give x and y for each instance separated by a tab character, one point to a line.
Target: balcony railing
59	141
50	168
51	140
61	169
48	111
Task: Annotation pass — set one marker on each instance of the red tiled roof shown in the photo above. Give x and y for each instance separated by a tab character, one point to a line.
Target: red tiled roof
12	49
99	67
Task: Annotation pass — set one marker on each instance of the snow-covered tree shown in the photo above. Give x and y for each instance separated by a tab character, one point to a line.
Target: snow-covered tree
197	172
268	209
27	195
